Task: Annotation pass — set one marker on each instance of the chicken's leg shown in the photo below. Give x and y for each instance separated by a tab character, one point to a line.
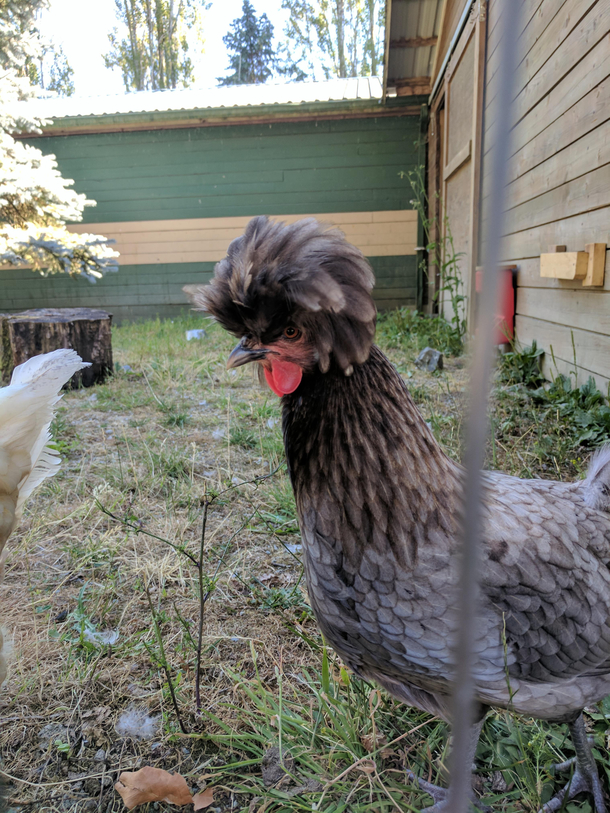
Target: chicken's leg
441	795
585	778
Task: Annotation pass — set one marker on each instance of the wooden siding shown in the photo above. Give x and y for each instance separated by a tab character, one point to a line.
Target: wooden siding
454	150
378	234
144	291
328	166
199	187
559	172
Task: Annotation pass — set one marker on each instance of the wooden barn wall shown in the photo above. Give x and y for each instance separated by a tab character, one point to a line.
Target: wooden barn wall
559	189
173	199
450	17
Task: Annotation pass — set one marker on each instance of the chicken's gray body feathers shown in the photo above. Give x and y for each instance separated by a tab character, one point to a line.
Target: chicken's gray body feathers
379	506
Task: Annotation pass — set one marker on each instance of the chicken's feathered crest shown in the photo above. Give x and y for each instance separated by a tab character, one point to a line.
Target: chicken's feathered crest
305	274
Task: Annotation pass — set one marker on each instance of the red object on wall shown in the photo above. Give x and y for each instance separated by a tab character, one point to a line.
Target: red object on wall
505	318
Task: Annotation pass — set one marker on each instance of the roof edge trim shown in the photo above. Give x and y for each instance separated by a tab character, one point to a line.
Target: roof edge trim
454	40
222	117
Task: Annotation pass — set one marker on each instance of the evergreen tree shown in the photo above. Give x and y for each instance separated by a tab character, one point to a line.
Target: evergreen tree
252	57
154	53
336	37
35	200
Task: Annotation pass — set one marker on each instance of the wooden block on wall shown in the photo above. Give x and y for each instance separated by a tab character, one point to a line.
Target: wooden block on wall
564	265
596	265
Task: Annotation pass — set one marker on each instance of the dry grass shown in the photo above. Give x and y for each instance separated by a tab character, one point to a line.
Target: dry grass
172	427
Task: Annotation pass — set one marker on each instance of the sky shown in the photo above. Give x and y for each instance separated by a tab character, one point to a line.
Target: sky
82	28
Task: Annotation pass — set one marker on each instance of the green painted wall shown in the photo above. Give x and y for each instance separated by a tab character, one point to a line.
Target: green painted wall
291	168
143	291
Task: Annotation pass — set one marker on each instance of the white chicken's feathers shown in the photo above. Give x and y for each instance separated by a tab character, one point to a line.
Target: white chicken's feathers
26	411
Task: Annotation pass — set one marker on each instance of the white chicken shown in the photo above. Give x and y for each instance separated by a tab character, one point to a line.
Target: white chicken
26	411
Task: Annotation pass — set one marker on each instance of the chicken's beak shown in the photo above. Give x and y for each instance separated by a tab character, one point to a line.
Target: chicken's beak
242	355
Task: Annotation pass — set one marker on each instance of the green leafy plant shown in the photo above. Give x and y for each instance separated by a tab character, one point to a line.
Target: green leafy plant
442	253
404	326
522	366
585	409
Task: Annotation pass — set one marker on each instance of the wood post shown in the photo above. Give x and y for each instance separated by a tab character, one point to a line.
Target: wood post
30	333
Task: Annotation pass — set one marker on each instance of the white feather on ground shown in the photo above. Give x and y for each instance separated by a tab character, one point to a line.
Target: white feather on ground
26	411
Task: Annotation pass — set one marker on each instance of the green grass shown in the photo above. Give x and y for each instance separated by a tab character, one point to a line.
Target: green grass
406	328
155	441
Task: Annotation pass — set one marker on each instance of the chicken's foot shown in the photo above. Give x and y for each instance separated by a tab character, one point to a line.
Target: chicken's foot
585	778
441	795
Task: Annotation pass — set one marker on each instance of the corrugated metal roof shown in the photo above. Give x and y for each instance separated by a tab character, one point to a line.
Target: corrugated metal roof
414	30
149	101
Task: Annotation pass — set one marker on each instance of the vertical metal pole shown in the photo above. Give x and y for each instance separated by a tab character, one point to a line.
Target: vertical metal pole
477	425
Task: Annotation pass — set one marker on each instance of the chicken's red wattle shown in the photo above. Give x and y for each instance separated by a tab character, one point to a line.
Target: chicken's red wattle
283	377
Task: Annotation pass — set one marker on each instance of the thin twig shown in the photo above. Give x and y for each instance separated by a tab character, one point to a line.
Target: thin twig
53	784
137	530
202	602
164	662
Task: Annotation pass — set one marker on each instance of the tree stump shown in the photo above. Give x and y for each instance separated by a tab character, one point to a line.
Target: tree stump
30	333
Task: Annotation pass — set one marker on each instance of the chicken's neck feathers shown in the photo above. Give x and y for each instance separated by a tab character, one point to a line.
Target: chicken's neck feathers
359	444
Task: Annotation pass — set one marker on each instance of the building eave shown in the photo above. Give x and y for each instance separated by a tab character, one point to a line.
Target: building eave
223	116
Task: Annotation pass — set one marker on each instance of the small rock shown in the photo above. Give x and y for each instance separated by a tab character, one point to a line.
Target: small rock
99	755
195	335
50	733
429	360
498	783
311	786
274	768
272	422
136	691
93	397
218	434
73	775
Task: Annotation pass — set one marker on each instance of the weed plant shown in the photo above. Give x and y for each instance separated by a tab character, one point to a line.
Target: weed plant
441	254
557	423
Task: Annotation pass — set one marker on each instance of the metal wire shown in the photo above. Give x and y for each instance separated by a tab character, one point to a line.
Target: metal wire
478	425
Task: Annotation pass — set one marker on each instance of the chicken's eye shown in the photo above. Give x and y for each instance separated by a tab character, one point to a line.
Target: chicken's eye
292	333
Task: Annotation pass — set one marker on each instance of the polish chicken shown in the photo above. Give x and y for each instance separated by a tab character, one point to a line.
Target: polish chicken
379	505
26	411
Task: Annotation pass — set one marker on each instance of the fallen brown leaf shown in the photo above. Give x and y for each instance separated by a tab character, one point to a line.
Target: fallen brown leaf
152	785
203	799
